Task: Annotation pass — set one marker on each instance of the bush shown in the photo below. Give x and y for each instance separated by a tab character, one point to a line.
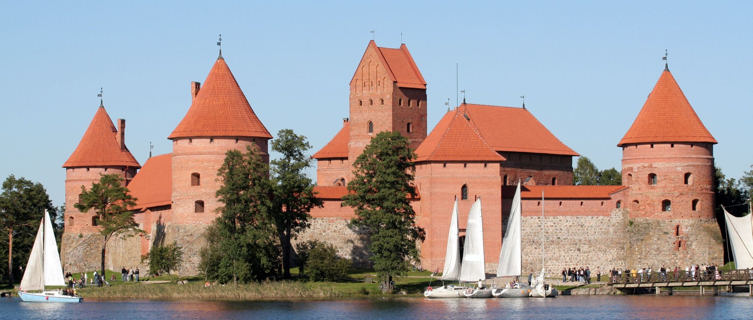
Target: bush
322	262
164	258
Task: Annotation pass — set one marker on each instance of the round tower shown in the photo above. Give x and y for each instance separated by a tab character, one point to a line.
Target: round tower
668	158
219	119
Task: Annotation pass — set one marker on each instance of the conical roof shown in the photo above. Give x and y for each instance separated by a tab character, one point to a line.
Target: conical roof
99	146
220	110
667	117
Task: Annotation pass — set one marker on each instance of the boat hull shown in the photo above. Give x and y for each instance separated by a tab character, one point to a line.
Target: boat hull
512	293
448	292
478	293
48	297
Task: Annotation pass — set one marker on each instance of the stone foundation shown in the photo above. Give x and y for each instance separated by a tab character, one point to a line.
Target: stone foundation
349	243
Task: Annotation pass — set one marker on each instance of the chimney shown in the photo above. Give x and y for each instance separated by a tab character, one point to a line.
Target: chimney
121	134
195	86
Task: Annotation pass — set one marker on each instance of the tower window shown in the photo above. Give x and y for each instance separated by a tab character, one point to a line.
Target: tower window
360	103
666	205
618	204
371	127
195	179
95	221
464	192
554	181
340	181
418	103
409	127
70	221
688	178
504	180
371	102
198	206
410	102
400	101
381	101
652	179
694	205
629	177
677	230
80	198
636	203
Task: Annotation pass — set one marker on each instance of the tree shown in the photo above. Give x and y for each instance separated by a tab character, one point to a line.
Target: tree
747	180
325	265
111	203
164	258
610	177
585	173
730	193
379	194
293	190
22	205
241	241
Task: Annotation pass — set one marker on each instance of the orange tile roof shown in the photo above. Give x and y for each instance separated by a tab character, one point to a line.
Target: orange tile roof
400	66
562	192
330	192
338	146
455	138
99	146
152	186
220	110
667	116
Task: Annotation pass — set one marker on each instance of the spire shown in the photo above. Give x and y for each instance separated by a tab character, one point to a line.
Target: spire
101	102
100	147
219	44
666	63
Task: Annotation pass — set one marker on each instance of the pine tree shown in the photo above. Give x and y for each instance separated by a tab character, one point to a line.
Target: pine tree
380	194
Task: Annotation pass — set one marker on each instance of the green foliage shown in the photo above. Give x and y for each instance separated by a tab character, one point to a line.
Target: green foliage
322	261
293	190
747	180
22	205
730	193
111	201
164	258
379	194
242	241
587	174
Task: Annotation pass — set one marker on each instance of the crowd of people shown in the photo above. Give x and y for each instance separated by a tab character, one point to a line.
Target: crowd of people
695	272
97	280
579	274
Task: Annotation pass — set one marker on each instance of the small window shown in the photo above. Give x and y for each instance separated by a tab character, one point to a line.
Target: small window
504	180
360	103
618	204
198	206
195	179
679	244
70	222
371	102
465	165
677	230
581	203
694	205
652	179
444	165
636	203
190	140
464	192
666	205
629	177
80	198
400	101
371	127
340	181
409	127
381	101
602	203
410	102
672	145
211	140
652	146
418	103
554	181
688	178
95	221
236	140
538	203
560	203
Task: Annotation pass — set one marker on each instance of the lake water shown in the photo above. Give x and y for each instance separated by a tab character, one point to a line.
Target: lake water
564	307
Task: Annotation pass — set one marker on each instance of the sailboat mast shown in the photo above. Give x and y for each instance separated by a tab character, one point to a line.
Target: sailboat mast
542	229
44	227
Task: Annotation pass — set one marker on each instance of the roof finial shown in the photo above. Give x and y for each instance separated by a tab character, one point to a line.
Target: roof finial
463	92
99	95
151	146
401	38
373	34
523	98
447	103
219	44
666	63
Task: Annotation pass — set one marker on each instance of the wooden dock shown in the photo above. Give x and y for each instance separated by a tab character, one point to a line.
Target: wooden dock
668	282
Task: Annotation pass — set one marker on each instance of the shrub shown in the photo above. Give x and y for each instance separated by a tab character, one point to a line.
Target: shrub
164	258
322	262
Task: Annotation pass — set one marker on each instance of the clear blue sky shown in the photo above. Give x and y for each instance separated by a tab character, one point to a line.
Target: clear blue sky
584	67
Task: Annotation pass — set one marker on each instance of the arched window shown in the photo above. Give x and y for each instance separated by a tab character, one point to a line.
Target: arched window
409	127
371	127
554	181
339	181
688	178
629	177
618	204
70	221
652	179
195	179
381	101
694	205
666	205
95	221
198	206
464	192
636	203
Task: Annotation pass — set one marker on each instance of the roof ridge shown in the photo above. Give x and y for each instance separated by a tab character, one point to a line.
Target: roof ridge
447	129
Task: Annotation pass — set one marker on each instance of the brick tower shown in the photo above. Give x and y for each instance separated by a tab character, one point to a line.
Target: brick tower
102	150
219	119
387	93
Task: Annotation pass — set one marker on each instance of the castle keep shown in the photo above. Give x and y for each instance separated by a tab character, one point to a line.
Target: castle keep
661	215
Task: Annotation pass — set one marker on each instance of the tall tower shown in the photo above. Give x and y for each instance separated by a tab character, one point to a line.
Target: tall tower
668	158
219	119
387	93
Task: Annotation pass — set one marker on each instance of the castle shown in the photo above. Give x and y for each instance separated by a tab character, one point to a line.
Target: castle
661	215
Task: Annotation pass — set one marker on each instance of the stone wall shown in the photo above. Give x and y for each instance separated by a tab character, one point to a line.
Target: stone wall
82	252
348	242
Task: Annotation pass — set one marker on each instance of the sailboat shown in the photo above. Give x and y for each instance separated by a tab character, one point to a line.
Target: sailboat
540	288
740	231
451	263
44	269
510	255
472	268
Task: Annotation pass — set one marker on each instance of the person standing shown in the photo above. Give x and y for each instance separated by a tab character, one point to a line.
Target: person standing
136	274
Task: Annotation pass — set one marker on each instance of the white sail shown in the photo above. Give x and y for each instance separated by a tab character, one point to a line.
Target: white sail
53	271
33	278
740	230
452	256
472	268
509	256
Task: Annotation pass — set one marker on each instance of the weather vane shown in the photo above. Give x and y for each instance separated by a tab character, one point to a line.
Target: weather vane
219	44
372	34
99	95
463	92
666	63
523	98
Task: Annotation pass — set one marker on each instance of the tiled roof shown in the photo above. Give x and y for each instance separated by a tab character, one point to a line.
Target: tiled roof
99	146
330	192
400	66
152	186
338	146
667	116
562	192
220	110
455	138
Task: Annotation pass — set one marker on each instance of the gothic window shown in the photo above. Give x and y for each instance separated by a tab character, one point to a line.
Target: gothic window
694	205
195	179
95	221
371	127
688	178
409	127
652	179
666	205
198	206
464	192
70	221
